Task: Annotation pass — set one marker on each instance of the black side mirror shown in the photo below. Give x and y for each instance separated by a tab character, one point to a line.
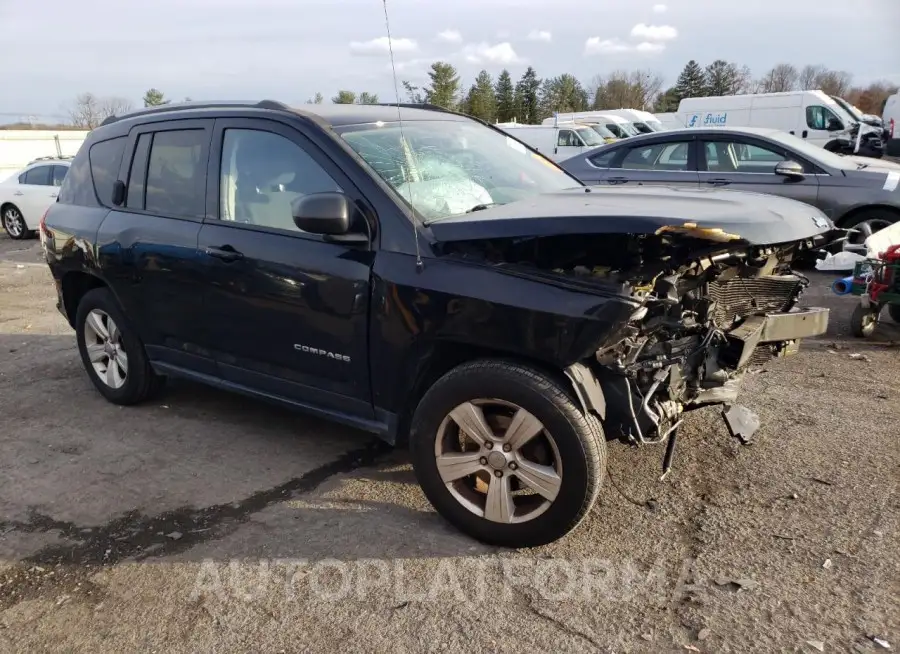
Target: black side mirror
790	169
834	125
331	214
118	193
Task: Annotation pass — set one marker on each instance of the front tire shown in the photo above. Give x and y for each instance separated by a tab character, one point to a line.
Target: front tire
111	351
14	223
868	222
506	455
864	321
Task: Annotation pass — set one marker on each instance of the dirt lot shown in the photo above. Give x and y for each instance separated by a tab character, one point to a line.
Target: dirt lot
207	522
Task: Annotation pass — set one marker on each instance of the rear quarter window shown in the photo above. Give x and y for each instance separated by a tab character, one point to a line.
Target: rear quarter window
91	175
106	156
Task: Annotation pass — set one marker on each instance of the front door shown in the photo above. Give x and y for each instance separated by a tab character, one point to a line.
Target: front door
36	192
743	164
286	312
667	162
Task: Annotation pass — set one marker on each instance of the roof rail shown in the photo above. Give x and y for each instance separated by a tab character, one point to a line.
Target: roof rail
417	105
62	157
163	108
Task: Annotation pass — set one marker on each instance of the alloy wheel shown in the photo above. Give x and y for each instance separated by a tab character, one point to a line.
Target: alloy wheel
103	342
857	242
13	222
498	461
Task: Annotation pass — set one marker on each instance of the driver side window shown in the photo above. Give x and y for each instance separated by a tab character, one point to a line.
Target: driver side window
818	117
262	173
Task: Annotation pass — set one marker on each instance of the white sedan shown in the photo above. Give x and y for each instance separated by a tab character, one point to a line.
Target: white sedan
26	195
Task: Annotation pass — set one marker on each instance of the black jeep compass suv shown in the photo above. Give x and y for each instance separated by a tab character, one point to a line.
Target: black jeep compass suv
424	276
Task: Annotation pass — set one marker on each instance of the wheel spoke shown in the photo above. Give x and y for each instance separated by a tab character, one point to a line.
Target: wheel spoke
112	375
499	506
122	359
544	480
470	419
96	353
95	323
866	230
522	429
456	465
113	330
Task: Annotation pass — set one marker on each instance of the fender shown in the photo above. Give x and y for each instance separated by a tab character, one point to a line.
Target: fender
587	388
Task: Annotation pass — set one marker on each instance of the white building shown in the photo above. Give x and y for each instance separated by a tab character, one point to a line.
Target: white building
19	146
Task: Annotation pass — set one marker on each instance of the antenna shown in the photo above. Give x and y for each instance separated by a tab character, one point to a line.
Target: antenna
404	145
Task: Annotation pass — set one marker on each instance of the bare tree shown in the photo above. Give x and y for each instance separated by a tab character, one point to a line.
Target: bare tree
835	82
783	77
741	79
89	110
810	76
636	89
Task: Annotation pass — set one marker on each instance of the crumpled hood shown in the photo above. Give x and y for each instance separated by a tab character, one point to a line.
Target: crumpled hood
754	218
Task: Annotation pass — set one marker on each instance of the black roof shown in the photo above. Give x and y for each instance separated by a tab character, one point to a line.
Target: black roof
335	115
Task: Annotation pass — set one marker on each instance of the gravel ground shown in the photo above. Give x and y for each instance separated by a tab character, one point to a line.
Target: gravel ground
208	522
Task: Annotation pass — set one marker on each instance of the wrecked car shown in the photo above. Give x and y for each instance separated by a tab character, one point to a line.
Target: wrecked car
420	275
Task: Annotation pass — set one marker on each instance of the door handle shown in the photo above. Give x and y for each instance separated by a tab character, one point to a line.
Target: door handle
805	133
225	253
53	195
719	181
18	193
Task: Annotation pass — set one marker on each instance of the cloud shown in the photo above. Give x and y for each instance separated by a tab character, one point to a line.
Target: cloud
654	32
660	9
596	45
450	36
381	45
482	53
540	35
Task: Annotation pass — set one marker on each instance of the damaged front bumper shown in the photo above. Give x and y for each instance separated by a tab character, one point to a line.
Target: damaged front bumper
780	329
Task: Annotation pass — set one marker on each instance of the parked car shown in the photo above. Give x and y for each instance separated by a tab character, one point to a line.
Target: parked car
26	195
557	142
432	280
856	195
620	127
810	115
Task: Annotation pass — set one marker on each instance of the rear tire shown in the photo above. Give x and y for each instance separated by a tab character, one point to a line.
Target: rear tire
14	223
561	463
868	222
111	351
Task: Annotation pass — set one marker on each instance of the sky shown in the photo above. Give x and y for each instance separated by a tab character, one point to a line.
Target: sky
288	50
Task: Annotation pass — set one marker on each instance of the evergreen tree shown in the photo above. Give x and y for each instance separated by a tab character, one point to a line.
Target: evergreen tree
505	98
154	98
344	97
691	82
720	78
527	97
563	94
367	98
444	87
481	101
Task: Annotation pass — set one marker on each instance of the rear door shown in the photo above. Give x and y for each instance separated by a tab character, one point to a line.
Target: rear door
35	193
148	245
747	164
666	161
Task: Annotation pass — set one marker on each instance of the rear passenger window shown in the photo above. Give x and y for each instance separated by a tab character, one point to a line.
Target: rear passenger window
138	174
604	159
661	156
106	157
39	176
59	174
176	176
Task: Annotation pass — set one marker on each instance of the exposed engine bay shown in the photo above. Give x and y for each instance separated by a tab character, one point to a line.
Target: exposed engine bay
708	307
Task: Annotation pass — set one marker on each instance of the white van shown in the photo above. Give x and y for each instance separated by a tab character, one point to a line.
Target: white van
811	115
669	120
620	127
643	121
556	142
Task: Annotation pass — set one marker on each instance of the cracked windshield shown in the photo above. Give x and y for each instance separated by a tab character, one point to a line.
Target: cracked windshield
445	168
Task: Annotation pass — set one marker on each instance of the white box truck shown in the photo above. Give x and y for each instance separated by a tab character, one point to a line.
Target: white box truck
811	115
556	142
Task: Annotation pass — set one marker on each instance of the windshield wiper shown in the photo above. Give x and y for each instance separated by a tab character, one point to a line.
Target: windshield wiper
479	207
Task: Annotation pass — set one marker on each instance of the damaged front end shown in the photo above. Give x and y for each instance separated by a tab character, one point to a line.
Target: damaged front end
708	307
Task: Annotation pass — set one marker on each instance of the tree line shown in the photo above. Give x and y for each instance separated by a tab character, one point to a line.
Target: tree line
530	99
